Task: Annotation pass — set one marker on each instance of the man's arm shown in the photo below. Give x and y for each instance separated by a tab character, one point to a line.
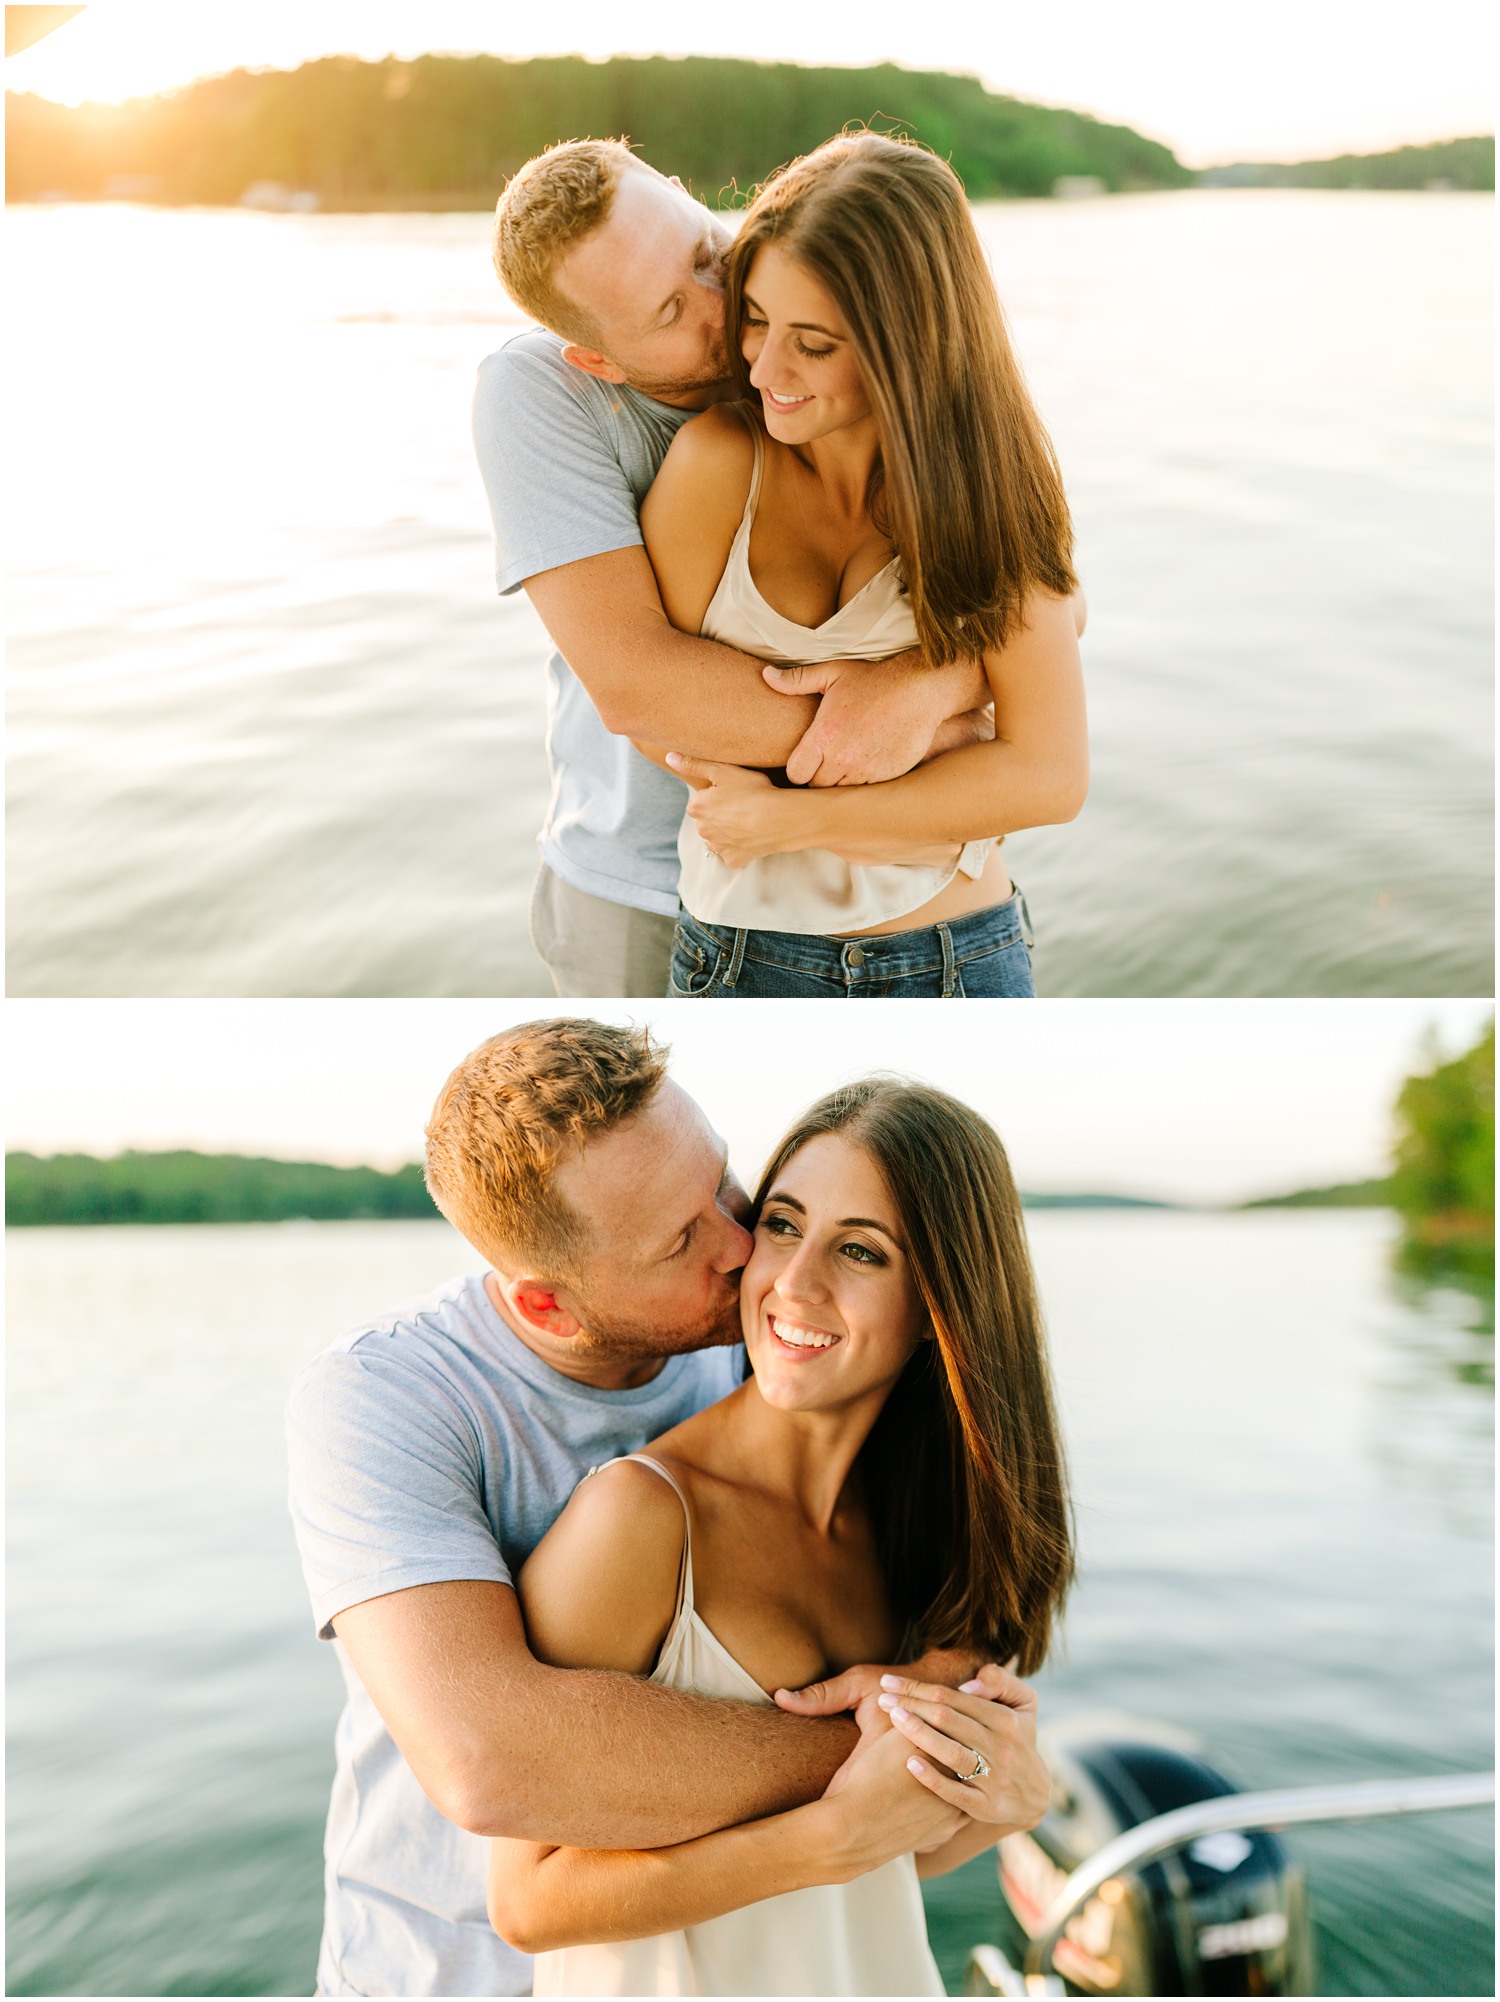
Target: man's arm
647	680
1033	774
542	1898
502	1744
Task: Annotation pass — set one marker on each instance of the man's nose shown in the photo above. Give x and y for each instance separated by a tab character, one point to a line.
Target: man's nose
737	1247
713	308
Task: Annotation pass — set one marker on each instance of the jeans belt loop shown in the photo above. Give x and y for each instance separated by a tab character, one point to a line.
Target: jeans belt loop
950	969
736	958
1026	931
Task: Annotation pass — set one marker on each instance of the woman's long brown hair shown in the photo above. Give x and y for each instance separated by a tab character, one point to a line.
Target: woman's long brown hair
967	484
963	1470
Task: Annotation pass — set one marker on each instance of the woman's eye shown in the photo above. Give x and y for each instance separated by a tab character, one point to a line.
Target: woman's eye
814	354
861	1254
778	1226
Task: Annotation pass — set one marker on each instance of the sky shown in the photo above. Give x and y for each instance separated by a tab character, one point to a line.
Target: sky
1284	79
1192	1101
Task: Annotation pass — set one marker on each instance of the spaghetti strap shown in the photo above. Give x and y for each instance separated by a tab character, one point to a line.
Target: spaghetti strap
741	535
685	1572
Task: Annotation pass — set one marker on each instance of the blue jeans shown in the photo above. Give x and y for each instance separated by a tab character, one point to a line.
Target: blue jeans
983	954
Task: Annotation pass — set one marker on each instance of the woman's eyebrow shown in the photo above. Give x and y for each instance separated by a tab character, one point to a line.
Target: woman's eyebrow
803	326
844	1222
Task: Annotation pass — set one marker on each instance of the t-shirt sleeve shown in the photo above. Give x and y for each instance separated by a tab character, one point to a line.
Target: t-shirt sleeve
387	1484
556	488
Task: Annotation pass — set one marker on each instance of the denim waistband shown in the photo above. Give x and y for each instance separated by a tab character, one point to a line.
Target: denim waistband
884	956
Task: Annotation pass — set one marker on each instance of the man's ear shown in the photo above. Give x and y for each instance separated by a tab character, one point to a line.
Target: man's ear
539	1305
591	362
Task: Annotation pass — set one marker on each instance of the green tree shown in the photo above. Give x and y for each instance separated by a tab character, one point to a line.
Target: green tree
1445	1143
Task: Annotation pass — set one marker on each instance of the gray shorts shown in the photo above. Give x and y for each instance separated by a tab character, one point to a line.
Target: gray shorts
596	948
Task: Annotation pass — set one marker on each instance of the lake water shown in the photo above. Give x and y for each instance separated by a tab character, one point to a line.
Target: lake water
272	733
1282	1458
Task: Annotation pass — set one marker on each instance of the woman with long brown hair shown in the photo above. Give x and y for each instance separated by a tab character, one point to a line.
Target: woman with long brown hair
888	1480
883	483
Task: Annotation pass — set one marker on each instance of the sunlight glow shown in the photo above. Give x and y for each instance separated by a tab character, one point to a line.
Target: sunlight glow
1290	82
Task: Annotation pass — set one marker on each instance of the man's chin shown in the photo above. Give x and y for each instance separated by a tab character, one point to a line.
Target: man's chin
724	1334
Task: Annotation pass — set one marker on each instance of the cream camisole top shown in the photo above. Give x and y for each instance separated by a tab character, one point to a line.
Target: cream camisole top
864	1938
812	890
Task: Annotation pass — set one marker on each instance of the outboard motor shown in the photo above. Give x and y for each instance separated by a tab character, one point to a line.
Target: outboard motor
1225	1915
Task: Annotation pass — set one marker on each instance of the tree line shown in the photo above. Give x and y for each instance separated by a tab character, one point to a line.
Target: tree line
1464	164
1442	1181
449	130
188	1187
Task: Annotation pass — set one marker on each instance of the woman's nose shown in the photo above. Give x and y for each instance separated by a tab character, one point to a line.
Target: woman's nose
762	369
801	1277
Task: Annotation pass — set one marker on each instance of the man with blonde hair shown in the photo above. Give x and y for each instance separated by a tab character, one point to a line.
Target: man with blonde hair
432	1449
623	271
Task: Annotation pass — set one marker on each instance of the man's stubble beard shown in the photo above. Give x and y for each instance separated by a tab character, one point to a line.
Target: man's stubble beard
613	1339
662	390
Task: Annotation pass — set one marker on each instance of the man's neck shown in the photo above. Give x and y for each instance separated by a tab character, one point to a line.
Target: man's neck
579	1365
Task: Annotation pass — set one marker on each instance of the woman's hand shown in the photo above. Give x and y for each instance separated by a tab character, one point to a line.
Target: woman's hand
990	1720
872	1811
738	812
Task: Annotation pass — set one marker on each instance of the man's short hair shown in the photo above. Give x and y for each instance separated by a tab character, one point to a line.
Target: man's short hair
555	201
506	1116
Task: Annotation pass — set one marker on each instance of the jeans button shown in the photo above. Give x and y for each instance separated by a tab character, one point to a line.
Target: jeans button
856	955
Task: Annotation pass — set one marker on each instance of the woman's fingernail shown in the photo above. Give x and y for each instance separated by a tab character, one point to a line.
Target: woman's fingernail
915	1766
900	1715
886	1702
890	1682
674	757
971	1688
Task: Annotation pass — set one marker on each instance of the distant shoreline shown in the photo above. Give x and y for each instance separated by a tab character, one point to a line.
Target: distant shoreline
182	1186
474	202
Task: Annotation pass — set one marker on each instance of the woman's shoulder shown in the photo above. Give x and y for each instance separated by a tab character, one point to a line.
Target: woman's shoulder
723	431
693	510
600	1588
621	1512
713	454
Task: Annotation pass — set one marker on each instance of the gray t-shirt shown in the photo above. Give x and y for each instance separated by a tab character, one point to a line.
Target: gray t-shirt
434	1445
566	461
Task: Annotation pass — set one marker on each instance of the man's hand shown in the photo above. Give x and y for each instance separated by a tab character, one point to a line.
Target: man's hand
859	1690
993	1713
877	719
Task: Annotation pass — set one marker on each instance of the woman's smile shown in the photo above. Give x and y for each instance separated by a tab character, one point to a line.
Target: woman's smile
798	1337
